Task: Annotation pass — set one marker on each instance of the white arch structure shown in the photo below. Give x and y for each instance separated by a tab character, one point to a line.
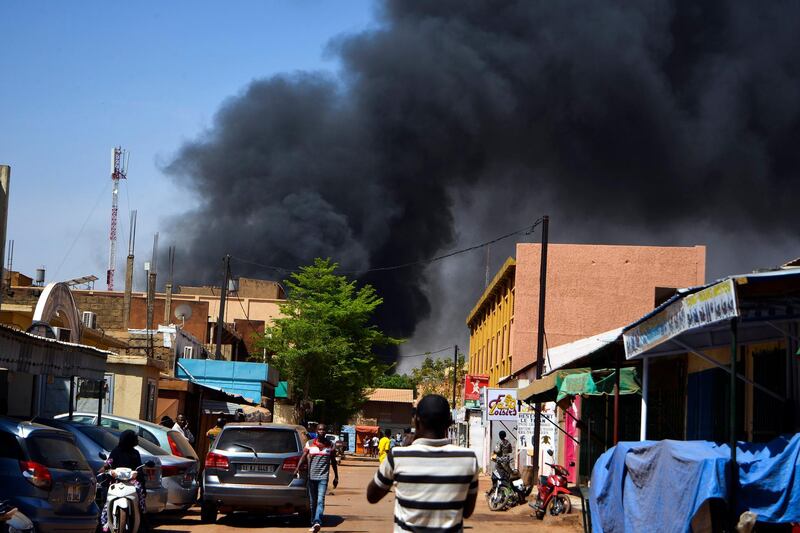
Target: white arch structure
56	301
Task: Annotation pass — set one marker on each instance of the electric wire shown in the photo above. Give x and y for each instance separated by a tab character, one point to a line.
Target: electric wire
425	353
527	230
83	226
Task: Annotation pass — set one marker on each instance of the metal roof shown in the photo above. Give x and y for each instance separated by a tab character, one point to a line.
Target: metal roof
560	356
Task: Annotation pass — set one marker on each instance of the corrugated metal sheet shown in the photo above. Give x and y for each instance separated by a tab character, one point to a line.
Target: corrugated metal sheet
562	355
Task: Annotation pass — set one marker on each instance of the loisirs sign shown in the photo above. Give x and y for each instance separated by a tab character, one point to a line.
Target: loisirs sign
501	404
710	305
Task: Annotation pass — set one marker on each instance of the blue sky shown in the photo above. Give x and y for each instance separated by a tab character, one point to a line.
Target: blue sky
77	78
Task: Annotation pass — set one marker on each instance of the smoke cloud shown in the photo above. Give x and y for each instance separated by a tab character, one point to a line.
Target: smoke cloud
657	122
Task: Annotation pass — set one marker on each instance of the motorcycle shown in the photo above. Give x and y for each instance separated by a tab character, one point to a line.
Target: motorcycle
508	489
122	502
13	520
553	495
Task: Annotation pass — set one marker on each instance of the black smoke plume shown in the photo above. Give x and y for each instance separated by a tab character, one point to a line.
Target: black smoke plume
620	119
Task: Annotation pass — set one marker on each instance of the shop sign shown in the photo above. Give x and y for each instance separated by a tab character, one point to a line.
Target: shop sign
473	386
710	305
501	404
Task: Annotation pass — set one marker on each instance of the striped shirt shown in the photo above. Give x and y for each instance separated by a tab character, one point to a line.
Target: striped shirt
319	459
433	479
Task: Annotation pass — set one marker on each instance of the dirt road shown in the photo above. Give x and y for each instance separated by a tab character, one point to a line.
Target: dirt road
347	510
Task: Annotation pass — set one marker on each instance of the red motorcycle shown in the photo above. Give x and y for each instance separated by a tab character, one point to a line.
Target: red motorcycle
553	495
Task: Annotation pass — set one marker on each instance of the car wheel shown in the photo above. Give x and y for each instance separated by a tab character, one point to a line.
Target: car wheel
304	517
208	512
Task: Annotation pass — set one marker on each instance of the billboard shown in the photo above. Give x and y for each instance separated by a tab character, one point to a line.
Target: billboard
501	404
473	388
710	305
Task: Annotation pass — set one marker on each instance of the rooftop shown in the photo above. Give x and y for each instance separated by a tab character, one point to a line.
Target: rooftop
392	395
508	268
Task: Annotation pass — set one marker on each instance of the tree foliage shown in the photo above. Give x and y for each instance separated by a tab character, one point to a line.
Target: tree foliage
323	343
396	381
435	376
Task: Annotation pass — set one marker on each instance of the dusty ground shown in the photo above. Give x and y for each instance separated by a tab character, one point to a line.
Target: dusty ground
347	510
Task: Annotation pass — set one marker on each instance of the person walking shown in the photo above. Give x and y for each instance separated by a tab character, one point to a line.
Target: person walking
384	445
318	453
374	445
436	482
367	444
182	425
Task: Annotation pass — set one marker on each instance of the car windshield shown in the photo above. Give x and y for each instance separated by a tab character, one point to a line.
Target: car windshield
108	439
55	451
262	440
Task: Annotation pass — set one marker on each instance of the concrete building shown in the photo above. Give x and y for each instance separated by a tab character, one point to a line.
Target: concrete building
590	289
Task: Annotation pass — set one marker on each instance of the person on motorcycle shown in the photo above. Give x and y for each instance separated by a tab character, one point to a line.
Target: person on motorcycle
125	455
503	453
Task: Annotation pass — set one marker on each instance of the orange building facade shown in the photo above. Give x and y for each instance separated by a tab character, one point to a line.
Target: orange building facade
590	289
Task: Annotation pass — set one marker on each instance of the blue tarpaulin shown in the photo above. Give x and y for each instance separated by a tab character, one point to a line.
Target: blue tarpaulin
660	485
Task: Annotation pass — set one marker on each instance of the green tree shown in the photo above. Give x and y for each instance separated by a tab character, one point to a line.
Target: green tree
324	341
435	376
395	381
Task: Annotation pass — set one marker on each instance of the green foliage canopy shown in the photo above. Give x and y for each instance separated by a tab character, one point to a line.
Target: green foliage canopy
324	341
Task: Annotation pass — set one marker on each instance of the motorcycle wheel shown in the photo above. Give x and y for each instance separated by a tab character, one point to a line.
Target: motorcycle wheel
560	504
498	499
121	522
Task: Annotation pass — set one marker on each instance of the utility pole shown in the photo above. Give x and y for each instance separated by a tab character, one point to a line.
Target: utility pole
126	299
5	182
168	288
537	425
223	295
151	298
455	374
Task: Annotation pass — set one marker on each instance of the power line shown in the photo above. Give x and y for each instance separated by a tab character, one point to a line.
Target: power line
83	226
426	353
527	230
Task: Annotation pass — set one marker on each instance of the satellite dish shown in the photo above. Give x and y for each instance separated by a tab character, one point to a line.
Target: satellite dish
183	312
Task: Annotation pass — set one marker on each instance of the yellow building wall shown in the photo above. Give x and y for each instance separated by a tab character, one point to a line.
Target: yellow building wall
490	350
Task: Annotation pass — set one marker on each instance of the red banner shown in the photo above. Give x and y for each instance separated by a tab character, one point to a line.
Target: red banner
473	386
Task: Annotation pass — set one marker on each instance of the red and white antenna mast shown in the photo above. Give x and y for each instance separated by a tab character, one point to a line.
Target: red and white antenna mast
119	171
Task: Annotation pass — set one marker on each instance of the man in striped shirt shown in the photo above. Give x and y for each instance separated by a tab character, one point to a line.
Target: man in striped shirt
319	453
436	482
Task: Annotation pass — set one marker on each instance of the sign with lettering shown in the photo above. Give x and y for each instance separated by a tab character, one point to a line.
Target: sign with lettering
501	404
710	305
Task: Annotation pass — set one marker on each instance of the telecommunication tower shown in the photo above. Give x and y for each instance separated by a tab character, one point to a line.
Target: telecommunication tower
119	171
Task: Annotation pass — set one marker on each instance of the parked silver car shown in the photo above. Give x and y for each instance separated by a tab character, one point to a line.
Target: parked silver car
250	467
45	475
179	471
96	444
171	440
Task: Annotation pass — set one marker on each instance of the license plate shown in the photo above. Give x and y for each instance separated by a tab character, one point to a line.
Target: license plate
73	493
265	469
